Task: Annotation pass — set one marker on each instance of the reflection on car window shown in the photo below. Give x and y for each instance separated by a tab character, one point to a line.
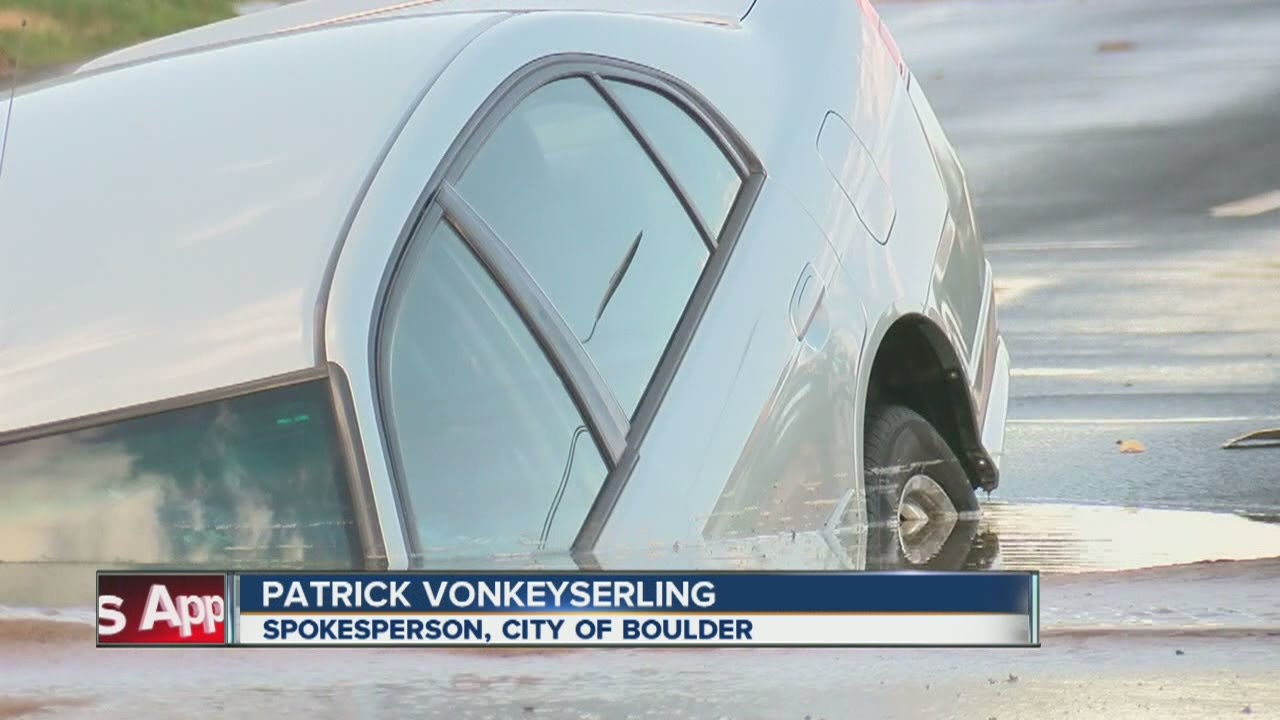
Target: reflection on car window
566	186
699	166
255	480
494	454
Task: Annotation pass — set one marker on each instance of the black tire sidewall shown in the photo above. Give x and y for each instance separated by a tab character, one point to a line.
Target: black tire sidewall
899	444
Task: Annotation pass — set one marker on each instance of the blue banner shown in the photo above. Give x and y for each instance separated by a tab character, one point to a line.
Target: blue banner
712	593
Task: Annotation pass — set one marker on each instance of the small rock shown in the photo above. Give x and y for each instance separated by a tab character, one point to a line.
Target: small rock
528	708
1246	710
1178	652
1012	678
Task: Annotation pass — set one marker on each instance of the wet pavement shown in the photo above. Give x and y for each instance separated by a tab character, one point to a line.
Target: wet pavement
1099	138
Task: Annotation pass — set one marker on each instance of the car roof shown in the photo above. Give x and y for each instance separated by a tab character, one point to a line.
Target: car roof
312	13
167	226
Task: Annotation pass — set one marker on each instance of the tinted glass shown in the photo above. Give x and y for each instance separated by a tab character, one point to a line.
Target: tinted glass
493	452
695	160
565	184
254	480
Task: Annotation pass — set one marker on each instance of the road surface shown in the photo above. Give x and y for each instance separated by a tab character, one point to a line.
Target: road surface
1099	137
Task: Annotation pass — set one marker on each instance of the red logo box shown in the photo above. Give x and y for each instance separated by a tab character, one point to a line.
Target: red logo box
162	609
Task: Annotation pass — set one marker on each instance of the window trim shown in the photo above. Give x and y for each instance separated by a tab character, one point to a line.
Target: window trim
439	202
153	407
671	360
370	550
566	355
363	505
563	354
655	156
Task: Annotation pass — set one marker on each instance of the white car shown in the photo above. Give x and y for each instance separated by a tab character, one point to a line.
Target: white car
534	283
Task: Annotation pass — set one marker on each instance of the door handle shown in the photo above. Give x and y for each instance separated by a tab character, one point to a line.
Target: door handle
805	300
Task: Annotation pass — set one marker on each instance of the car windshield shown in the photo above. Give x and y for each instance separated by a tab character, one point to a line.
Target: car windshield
250	480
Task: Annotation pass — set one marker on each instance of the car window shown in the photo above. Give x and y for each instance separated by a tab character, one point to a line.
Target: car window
494	455
566	186
696	161
255	480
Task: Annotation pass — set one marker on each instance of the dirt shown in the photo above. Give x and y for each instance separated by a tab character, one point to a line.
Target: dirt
15	707
12	20
43	632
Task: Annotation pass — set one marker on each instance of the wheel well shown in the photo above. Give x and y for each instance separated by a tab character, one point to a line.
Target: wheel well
916	367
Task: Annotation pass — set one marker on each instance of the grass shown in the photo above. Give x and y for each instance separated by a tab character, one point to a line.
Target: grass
65	31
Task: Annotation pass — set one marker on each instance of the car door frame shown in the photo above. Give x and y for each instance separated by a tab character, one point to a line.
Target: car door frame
620	440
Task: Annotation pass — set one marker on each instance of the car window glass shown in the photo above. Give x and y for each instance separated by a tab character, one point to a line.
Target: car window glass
696	161
581	205
494	454
256	480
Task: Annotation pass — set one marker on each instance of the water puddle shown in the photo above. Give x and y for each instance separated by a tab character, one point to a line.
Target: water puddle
1081	538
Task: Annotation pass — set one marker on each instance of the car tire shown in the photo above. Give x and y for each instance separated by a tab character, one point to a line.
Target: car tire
921	507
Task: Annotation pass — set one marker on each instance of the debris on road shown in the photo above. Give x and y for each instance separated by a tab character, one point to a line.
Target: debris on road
1131	446
1255	439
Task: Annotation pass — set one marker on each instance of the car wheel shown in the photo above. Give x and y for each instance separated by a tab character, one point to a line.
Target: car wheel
921	508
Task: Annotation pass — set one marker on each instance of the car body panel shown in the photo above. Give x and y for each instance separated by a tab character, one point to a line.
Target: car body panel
855	170
931	265
993	422
175	258
963	307
751	441
895	276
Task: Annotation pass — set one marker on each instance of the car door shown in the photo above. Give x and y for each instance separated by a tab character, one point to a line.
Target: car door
729	342
542	307
750	461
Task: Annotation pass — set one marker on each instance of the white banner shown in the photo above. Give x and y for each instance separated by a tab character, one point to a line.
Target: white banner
632	629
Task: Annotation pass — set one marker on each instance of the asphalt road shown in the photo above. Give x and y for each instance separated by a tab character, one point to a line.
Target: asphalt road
1098	138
